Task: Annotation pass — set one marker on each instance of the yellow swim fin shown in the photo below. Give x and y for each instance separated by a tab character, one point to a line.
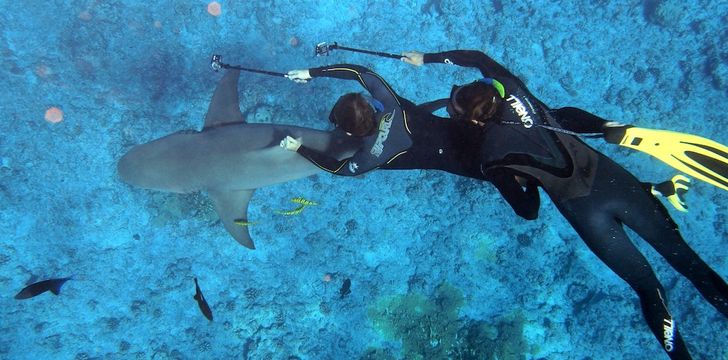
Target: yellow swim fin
696	156
674	190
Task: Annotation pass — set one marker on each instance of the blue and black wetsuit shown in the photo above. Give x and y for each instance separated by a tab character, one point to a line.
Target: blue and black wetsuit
392	138
595	194
411	137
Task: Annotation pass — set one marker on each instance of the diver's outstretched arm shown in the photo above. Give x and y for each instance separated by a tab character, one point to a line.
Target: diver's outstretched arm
525	202
467	58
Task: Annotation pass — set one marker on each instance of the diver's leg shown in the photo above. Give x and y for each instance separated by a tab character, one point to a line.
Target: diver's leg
578	120
651	221
638	209
604	235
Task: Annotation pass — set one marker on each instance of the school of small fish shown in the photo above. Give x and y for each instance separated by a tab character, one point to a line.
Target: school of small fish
302	204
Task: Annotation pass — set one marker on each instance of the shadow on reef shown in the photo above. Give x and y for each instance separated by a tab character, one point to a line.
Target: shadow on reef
170	208
429	328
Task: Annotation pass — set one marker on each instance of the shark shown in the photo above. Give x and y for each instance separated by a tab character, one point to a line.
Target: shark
229	158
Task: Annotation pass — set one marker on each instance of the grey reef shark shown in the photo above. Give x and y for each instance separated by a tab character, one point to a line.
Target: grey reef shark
229	158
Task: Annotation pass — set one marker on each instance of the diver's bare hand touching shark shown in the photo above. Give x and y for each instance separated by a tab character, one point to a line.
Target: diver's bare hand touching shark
291	144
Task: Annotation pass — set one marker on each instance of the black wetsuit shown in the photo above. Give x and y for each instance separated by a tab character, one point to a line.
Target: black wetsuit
411	137
595	194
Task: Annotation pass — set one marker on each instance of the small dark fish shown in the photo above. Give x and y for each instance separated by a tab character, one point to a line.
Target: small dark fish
345	288
202	302
35	289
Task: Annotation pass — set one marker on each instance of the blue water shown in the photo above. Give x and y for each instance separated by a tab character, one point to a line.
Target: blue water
127	72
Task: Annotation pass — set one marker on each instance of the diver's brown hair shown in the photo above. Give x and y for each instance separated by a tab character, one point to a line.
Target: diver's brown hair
477	101
353	114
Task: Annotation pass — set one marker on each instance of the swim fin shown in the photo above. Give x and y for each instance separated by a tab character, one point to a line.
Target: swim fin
696	156
674	190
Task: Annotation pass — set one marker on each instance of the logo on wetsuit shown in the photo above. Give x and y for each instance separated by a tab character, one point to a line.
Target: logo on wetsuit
521	111
353	167
668	328
384	124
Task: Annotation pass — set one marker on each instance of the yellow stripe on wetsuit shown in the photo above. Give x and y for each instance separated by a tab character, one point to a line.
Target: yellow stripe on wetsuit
324	168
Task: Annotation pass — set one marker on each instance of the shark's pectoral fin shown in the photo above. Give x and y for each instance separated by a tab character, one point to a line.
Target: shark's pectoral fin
232	206
225	107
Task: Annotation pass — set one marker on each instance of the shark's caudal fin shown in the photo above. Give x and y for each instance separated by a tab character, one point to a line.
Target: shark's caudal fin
232	206
225	107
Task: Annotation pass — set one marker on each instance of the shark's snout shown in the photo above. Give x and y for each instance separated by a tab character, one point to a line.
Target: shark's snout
171	163
128	167
149	166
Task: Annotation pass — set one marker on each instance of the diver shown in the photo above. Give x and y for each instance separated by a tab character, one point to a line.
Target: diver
399	135
595	194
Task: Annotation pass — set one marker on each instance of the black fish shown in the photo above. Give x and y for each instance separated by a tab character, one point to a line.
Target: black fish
202	302
345	288
35	289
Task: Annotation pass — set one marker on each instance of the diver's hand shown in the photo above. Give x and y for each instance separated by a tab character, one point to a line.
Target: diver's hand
299	76
415	58
614	132
290	143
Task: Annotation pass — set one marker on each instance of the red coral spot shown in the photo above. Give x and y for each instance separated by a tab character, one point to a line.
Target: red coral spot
54	115
214	8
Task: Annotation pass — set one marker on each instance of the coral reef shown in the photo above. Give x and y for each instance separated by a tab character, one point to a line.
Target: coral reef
430	328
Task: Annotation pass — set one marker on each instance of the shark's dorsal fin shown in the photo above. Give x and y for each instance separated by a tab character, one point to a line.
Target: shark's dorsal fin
231	206
225	107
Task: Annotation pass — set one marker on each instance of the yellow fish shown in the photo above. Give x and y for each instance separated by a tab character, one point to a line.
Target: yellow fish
302	201
243	222
295	211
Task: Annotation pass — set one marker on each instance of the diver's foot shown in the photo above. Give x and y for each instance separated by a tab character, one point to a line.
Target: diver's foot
674	190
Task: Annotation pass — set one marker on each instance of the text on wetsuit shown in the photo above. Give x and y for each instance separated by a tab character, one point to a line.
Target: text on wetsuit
521	111
384	126
668	328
